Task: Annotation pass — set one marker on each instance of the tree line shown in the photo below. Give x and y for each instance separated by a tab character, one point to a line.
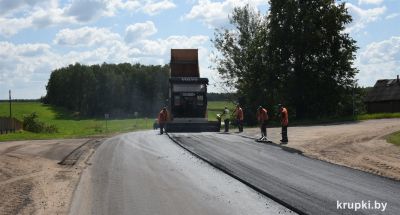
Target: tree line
117	89
297	54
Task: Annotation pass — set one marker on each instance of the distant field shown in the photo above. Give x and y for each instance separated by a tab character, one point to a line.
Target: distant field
216	107
68	126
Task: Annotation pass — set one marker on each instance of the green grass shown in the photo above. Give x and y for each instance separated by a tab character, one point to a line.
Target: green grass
216	107
359	117
394	138
72	127
68	126
377	116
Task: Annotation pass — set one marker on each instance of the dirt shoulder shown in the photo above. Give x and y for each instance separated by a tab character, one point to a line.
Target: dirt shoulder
360	145
32	181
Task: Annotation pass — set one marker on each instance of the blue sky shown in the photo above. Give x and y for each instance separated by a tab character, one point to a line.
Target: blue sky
38	36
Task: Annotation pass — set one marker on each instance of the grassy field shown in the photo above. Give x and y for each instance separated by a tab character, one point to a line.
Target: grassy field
394	138
216	107
68	126
377	116
71	127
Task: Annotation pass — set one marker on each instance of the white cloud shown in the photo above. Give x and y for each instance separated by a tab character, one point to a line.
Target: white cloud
23	65
19	63
392	15
381	52
38	15
362	17
17	15
369	2
153	8
9	27
85	36
87	10
214	14
8	7
161	47
129	5
139	31
379	60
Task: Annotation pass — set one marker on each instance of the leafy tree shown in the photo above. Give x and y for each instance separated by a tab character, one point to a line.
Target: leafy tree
298	55
240	59
312	54
108	88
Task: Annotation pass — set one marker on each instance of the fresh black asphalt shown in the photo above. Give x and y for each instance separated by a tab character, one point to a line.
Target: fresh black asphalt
305	185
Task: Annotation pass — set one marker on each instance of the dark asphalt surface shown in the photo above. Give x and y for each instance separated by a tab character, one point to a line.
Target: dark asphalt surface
307	185
146	173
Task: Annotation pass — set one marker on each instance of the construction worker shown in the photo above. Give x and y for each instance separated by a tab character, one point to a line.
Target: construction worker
225	117
284	123
239	117
162	119
262	117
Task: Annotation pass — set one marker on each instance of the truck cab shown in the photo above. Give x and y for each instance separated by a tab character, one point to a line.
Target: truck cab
188	97
187	94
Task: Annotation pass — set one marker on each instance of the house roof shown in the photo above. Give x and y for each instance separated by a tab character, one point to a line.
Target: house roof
384	90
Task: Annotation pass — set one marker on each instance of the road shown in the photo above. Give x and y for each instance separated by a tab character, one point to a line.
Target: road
147	173
307	185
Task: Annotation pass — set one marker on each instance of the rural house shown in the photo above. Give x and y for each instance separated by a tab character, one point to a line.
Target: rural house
384	96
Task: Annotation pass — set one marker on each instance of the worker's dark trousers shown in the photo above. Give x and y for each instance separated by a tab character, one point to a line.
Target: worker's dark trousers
240	125
264	129
226	125
284	134
162	125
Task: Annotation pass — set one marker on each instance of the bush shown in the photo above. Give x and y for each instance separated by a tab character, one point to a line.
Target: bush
30	123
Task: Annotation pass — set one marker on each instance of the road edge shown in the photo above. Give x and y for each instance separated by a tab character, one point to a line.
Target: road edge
290	149
226	171
82	162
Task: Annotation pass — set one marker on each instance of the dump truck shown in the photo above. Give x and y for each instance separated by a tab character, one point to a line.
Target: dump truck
188	94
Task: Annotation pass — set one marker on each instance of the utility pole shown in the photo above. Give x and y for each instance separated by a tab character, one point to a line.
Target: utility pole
11	121
354	110
9	99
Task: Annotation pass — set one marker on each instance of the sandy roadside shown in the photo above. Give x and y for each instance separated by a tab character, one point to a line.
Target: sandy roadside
359	145
31	181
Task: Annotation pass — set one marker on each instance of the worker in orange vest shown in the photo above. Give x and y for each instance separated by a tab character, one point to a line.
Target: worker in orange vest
239	117
284	123
162	119
262	117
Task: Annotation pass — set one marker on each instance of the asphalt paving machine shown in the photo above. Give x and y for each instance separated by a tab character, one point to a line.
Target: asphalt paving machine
188	94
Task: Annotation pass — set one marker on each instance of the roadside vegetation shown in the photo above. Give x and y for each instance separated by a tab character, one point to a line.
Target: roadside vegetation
394	138
67	123
216	107
307	64
117	89
61	123
377	116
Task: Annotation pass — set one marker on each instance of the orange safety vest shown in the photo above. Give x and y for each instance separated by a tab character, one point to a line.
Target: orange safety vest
162	116
262	115
284	117
239	113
